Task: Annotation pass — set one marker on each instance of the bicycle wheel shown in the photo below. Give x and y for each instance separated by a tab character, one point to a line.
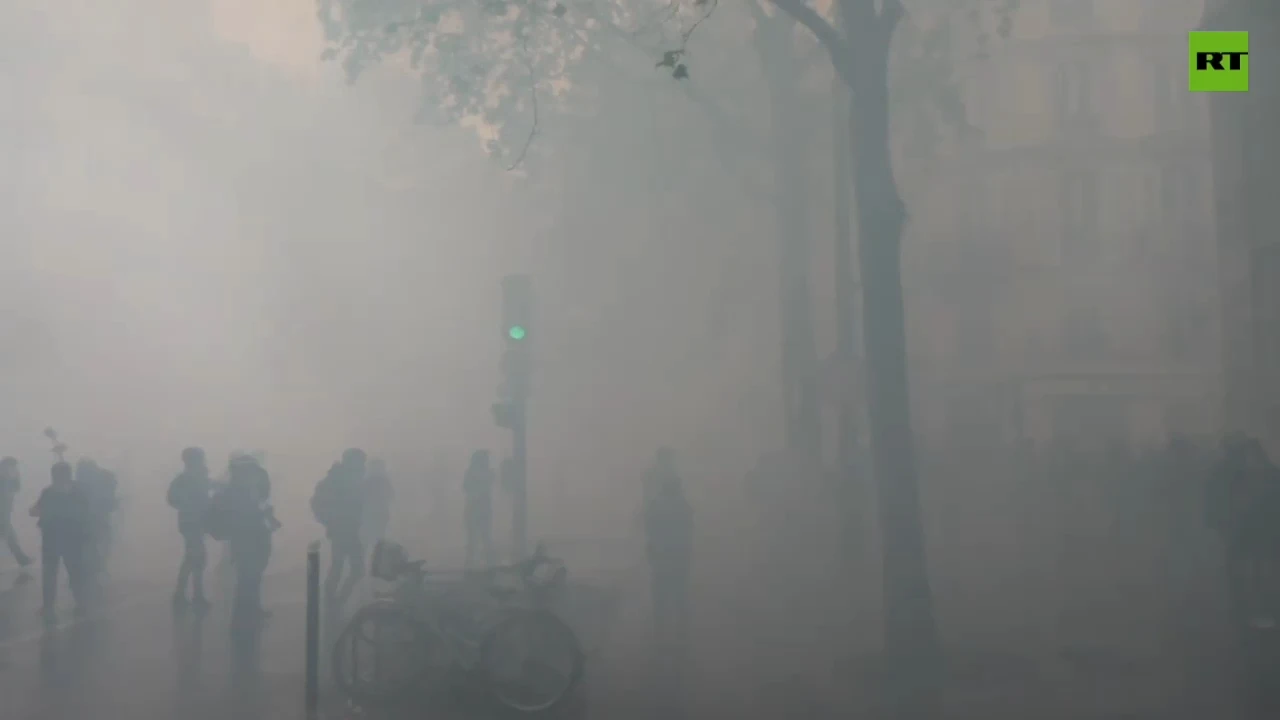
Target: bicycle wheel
382	655
531	661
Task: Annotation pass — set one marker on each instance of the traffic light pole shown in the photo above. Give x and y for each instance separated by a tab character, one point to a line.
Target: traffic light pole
512	408
519	494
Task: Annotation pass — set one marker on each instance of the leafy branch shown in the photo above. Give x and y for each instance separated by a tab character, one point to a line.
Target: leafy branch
674	59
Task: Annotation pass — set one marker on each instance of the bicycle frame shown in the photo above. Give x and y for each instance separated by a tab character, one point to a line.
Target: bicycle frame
458	610
456	619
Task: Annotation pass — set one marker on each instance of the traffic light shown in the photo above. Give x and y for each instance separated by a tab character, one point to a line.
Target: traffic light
517	332
517	307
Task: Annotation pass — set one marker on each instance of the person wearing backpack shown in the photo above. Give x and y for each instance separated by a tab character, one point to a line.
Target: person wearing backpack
99	487
242	514
190	494
338	505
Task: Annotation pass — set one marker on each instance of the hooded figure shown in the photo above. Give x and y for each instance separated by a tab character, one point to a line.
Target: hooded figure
249	522
99	487
338	505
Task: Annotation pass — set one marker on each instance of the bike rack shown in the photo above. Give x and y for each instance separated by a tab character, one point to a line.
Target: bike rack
312	701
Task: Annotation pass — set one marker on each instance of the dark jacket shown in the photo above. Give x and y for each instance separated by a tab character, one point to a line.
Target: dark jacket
64	515
338	503
189	494
668	528
477	486
248	517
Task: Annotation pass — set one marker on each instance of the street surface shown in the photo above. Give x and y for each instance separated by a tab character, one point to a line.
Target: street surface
134	658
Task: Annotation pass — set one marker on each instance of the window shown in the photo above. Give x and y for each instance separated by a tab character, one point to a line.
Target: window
1079	202
1073	94
1071	14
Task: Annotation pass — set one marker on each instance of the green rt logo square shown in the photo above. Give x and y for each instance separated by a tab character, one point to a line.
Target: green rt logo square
1218	61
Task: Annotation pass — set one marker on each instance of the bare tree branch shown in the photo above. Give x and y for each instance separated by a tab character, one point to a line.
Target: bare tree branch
825	32
533	94
711	6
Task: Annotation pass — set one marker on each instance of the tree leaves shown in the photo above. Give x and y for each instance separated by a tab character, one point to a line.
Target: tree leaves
473	55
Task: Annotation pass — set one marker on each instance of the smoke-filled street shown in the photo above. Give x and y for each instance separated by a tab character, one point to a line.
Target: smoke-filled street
639	359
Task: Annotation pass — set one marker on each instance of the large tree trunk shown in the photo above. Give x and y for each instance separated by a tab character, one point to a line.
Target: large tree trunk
912	651
852	478
775	40
846	291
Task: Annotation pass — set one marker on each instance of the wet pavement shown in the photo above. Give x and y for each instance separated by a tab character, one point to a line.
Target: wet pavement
134	657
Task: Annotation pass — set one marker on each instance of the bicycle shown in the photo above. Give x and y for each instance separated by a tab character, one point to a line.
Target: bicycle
469	632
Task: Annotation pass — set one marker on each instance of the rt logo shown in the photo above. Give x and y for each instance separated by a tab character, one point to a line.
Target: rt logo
1218	62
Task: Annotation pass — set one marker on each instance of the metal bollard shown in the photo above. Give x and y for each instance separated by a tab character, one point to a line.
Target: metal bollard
313	631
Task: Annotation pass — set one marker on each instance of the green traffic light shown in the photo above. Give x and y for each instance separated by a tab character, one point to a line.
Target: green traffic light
516	332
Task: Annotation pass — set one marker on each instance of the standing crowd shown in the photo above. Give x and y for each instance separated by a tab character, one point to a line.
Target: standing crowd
352	502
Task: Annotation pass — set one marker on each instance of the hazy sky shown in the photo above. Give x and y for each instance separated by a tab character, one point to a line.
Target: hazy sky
283	32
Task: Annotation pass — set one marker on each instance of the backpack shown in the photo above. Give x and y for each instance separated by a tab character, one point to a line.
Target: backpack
217	520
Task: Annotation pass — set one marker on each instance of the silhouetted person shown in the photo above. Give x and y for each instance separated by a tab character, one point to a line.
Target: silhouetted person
10	484
245	513
99	486
379	497
189	494
477	489
223	573
668	528
338	505
63	512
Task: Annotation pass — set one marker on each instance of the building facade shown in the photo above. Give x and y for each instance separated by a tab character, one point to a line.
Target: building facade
1245	171
1063	262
